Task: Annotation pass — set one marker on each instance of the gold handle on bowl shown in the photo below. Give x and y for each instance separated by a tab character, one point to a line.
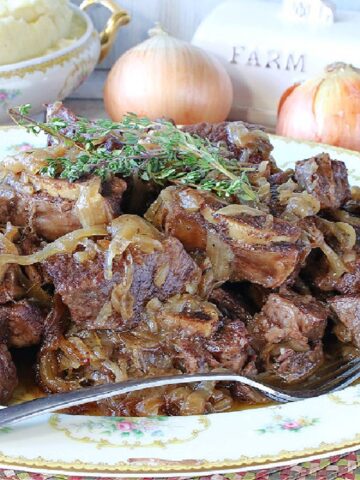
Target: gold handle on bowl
118	18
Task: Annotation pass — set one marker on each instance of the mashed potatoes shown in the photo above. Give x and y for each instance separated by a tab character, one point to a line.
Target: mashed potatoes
30	28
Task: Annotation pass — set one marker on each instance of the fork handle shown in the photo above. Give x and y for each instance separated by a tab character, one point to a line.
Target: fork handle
51	403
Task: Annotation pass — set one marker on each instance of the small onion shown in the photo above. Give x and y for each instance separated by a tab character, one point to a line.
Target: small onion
167	77
324	109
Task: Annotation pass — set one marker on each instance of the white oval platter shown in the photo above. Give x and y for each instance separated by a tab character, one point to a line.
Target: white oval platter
187	446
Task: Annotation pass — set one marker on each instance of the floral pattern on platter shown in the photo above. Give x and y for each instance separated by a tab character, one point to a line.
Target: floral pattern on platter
131	432
125	427
6	95
347	397
288	424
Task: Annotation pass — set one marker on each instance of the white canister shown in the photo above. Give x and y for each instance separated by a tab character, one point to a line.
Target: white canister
268	47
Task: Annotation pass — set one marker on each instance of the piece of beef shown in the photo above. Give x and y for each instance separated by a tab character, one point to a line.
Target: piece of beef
34	275
232	305
25	320
320	276
185	334
152	266
8	376
57	110
202	337
53	207
11	288
4	330
325	179
349	283
347	314
241	244
11	279
287	334
246	142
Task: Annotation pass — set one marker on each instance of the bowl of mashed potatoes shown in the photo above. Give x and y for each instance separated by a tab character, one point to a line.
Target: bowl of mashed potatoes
48	48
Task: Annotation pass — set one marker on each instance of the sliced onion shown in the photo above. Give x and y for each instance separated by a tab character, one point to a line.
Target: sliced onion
31	161
130	225
103	316
54	187
355	193
346	217
65	244
241	136
161	274
221	257
8	247
343	232
127	230
91	207
121	299
336	264
117	246
300	205
233	210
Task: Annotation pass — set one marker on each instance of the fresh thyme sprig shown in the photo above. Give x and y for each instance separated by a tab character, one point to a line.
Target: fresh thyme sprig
156	151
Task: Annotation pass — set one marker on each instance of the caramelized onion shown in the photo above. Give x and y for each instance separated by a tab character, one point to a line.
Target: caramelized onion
241	136
117	246
7	247
103	315
221	257
121	298
233	210
337	266
343	232
346	217
131	225
300	205
127	230
65	244
161	274
91	206
54	187
355	193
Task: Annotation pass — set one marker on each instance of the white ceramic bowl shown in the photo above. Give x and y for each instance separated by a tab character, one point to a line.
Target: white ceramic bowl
54	76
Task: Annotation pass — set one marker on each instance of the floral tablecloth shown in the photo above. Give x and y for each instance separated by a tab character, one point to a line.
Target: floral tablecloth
346	467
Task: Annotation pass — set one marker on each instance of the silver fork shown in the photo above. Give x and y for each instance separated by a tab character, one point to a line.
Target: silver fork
332	379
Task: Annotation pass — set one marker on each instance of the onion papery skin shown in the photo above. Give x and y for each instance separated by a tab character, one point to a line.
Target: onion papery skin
325	109
167	77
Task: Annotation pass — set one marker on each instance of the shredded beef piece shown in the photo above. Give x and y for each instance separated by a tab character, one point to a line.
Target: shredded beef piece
25	322
246	142
320	276
231	304
258	248
8	377
48	208
85	290
347	311
11	287
325	179
287	333
182	335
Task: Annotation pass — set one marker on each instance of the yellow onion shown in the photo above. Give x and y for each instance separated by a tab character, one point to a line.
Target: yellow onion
325	109
167	77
